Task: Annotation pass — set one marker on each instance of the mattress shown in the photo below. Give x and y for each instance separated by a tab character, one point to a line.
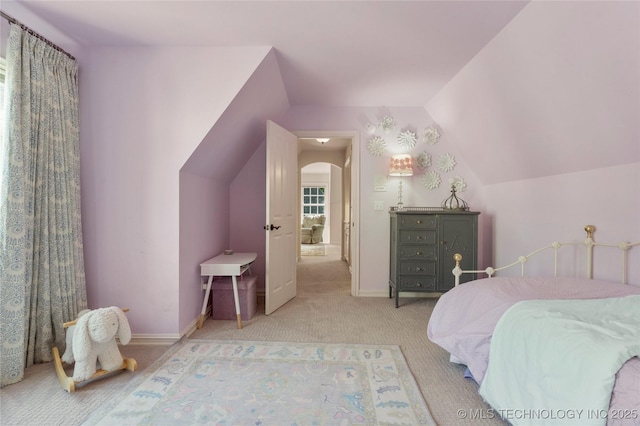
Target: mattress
464	319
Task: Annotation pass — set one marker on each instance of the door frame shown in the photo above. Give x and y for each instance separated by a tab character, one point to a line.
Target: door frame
355	195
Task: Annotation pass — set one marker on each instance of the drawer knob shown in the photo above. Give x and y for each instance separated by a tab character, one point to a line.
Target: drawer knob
419	237
418	253
419	285
418	221
418	269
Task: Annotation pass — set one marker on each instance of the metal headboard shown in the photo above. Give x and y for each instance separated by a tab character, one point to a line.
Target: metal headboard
589	243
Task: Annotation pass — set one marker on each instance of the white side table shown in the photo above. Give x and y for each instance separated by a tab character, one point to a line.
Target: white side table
229	265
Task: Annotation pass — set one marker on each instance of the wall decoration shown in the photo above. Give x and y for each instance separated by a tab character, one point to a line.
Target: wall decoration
431	180
458	183
377	146
431	135
387	124
407	139
424	160
371	128
446	162
436	166
454	202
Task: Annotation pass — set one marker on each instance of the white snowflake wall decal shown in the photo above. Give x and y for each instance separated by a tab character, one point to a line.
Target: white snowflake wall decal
458	183
387	124
431	180
431	135
446	162
407	139
424	160
377	146
371	128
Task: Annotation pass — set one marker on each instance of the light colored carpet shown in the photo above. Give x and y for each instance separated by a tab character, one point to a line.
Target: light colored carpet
270	383
322	312
318	249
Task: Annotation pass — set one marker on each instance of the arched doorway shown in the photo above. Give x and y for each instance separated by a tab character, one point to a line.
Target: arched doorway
321	188
340	152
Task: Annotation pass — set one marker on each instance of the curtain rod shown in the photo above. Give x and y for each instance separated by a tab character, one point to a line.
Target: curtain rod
35	34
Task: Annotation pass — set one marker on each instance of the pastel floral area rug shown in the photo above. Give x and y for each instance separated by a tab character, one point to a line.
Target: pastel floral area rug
267	383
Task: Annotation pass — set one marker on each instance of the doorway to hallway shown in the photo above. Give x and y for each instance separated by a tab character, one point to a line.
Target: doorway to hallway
340	149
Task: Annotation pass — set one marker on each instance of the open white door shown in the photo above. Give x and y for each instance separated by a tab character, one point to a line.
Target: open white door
280	251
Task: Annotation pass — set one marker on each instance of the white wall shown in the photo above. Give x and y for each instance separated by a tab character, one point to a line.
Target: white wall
335	206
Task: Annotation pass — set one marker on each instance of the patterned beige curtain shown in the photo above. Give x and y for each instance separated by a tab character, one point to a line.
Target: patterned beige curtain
41	261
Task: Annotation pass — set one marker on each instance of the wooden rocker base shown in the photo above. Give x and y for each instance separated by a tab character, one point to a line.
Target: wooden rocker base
69	384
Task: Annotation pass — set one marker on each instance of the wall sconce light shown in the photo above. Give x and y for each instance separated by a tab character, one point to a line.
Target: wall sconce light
401	165
322	140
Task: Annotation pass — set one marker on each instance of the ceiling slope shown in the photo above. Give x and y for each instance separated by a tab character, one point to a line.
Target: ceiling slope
331	53
239	131
557	91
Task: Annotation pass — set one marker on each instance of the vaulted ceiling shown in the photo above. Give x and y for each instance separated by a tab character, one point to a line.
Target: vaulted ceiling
541	88
331	53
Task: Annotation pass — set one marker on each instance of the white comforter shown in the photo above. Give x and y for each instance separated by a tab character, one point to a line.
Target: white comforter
565	354
464	319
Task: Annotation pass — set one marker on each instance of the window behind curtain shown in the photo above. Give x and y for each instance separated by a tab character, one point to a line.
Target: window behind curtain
3	68
313	200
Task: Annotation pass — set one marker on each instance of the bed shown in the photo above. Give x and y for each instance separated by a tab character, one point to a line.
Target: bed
564	350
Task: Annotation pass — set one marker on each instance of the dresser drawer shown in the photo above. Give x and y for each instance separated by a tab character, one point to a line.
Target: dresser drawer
425	267
418	222
417	252
417	283
426	236
422	243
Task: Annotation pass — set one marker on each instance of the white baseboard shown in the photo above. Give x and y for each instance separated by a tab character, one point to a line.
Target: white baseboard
167	339
193	326
154	339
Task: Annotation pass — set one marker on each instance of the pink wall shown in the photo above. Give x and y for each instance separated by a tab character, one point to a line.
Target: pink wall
144	111
226	155
547	116
532	213
538	121
247	199
204	214
374	245
25	16
248	187
556	91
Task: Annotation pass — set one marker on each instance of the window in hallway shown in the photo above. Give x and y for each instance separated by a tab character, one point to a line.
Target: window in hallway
313	200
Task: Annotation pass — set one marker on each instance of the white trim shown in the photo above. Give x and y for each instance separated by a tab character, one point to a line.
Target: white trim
154	339
355	205
355	195
167	339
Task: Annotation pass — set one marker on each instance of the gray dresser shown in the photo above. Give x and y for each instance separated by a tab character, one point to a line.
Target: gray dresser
423	242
